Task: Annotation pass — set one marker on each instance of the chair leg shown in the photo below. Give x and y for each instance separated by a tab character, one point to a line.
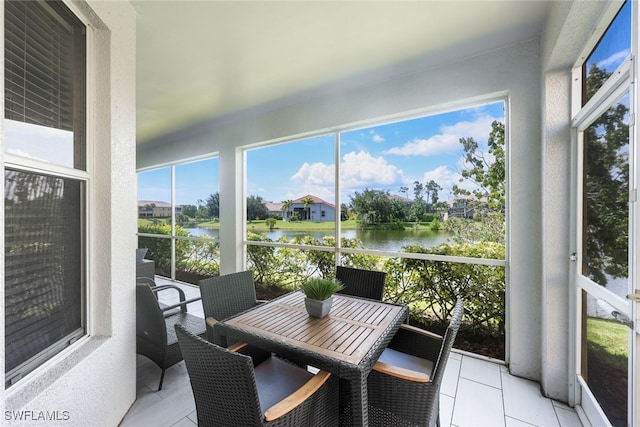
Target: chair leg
161	380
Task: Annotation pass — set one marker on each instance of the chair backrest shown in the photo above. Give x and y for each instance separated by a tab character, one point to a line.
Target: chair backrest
361	283
227	295
150	323
447	342
223	383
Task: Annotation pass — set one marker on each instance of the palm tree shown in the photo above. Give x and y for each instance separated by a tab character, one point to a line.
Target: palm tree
405	190
286	205
308	201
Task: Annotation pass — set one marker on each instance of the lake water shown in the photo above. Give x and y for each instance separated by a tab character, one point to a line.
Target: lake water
382	240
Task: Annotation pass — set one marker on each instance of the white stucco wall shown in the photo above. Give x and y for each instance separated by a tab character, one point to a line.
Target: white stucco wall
569	27
94	380
512	71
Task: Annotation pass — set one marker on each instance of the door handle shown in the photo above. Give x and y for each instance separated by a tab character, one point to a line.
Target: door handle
635	297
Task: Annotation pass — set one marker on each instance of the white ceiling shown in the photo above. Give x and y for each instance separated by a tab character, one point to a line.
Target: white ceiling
198	60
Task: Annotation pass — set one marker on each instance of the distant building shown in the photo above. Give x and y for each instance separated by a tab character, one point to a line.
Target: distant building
465	207
275	209
319	211
155	209
404	200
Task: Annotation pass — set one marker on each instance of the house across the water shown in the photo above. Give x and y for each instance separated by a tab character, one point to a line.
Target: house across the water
304	208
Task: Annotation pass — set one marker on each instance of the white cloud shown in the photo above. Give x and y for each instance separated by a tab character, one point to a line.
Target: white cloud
361	169
375	136
613	61
445	177
358	170
479	129
437	144
466	184
448	141
314	178
315	173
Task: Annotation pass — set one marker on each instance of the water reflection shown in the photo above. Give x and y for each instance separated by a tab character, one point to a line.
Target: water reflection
381	240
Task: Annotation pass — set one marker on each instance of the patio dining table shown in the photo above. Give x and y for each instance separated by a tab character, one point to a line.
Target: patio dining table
346	343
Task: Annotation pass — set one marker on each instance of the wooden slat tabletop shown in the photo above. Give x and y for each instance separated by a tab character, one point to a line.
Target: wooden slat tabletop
347	333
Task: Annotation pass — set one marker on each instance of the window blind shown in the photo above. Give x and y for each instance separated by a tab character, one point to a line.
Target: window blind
45	68
45	215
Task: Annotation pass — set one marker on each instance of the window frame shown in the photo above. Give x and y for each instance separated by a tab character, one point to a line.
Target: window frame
83	174
175	210
582	116
337	132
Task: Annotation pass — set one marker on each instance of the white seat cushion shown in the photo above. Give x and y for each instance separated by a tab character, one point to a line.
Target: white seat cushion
406	361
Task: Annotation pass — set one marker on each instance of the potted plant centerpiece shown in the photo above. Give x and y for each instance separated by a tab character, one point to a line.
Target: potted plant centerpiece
319	295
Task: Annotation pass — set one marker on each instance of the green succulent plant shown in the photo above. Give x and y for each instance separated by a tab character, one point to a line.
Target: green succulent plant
320	289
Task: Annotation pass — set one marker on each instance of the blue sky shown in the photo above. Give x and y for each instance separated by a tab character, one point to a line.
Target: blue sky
615	46
383	157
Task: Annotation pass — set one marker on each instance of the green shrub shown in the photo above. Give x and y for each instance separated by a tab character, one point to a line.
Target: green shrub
431	288
195	259
160	248
260	259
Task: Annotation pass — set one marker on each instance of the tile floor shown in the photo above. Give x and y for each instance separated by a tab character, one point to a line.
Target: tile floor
475	393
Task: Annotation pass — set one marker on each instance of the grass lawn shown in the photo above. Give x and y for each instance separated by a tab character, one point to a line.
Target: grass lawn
609	339
144	221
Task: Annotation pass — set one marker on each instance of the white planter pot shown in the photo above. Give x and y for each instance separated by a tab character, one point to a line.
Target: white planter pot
317	308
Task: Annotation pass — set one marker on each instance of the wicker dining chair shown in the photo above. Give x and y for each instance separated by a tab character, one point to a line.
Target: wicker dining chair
149	281
361	283
155	333
226	295
234	389
404	385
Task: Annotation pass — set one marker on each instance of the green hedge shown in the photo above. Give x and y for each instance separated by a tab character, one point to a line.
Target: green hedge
194	260
429	288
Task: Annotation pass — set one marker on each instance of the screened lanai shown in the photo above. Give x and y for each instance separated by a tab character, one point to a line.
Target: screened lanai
218	96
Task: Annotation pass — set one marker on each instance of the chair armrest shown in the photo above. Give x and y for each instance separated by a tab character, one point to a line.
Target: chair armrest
182	304
159	288
296	398
211	322
237	346
416	342
405	374
183	301
421	331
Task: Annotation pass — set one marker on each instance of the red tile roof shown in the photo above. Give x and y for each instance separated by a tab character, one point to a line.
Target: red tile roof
316	200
